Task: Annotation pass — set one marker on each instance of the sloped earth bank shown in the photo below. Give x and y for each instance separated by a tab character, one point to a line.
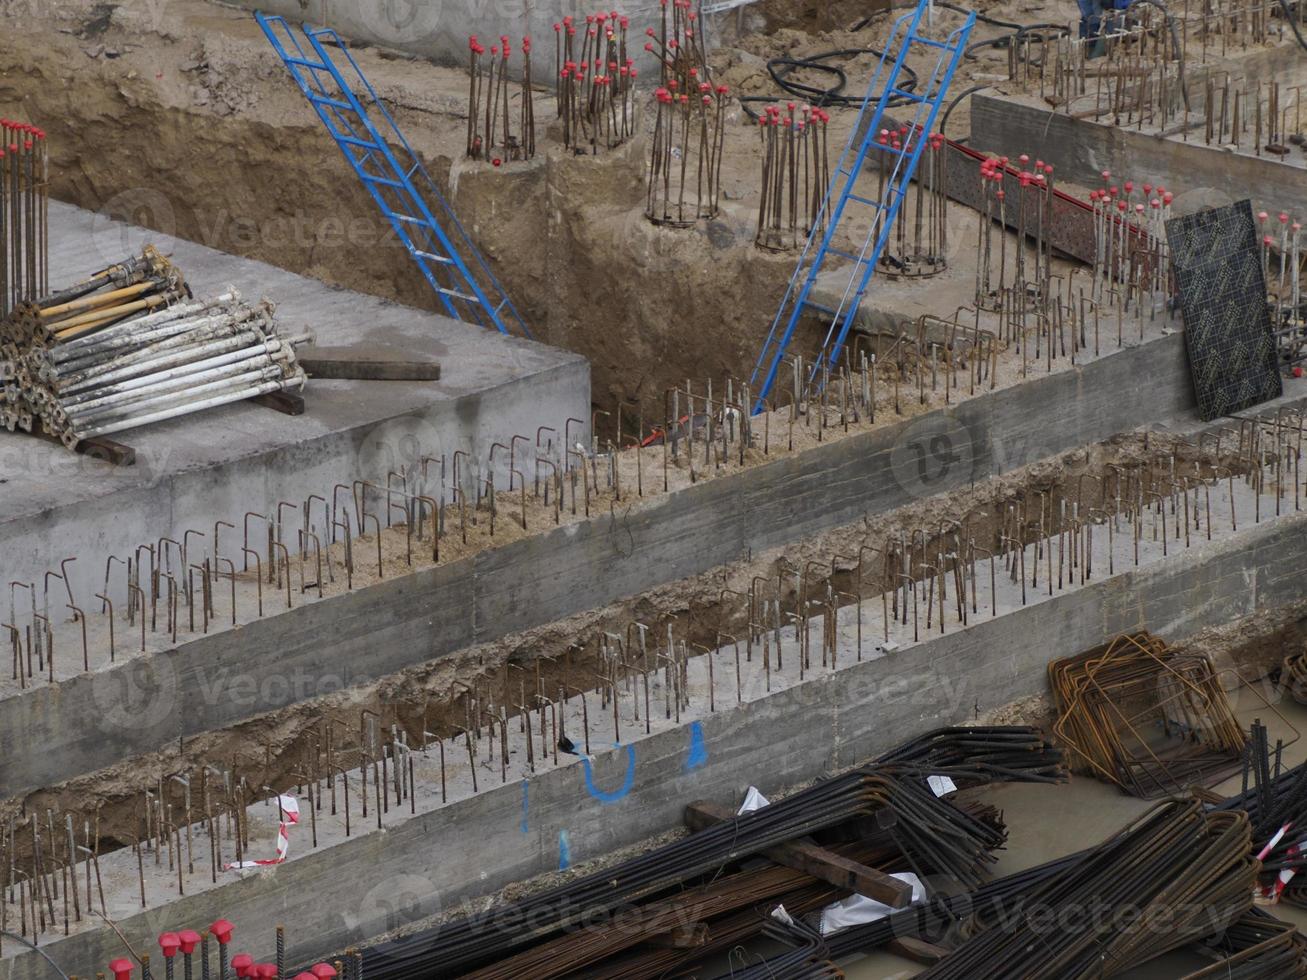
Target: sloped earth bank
176	115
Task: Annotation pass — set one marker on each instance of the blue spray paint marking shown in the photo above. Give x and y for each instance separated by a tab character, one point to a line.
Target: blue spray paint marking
698	747
525	805
617	794
564	851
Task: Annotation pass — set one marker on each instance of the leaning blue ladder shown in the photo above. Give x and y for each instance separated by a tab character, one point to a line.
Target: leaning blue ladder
394	176
844	206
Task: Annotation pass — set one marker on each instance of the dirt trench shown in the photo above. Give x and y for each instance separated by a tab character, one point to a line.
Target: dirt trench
268	750
192	127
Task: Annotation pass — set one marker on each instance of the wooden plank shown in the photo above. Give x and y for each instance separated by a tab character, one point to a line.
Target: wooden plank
917	950
286	402
99	447
822	864
367	363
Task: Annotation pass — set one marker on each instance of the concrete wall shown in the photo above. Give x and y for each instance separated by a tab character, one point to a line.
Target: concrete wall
216	681
1081	149
379	882
439	29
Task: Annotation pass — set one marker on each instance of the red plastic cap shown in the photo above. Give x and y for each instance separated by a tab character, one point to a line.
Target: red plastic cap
221	931
323	970
169	943
121	969
304	976
242	963
189	940
267	970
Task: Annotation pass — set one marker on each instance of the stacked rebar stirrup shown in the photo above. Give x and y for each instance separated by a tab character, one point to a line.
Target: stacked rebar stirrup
24	214
128	347
1177	874
1256	946
1137	714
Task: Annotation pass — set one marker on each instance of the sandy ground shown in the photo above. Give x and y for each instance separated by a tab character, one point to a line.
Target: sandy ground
179	117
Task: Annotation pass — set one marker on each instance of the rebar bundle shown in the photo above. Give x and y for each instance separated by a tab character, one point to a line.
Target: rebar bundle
885	811
1177	874
24	214
1137	714
128	347
689	129
595	82
490	133
795	174
1257	946
918	246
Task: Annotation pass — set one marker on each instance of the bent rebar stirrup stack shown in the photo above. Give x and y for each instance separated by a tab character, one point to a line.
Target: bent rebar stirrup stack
128	346
394	176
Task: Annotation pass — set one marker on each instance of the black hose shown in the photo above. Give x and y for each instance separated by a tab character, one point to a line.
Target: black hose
780	70
1004	40
943	123
1288	16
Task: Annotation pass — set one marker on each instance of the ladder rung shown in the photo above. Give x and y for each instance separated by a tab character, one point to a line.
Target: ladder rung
334	103
443	260
846	255
315	65
383	180
907	95
467	297
354	141
932	44
408	219
864	200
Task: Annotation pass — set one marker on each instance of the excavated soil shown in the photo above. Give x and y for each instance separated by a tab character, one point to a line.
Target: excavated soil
267	750
178	116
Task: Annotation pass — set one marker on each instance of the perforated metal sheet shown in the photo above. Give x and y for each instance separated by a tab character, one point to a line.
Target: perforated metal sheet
1218	270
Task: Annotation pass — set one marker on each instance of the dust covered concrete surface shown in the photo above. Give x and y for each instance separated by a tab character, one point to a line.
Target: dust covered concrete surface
472	676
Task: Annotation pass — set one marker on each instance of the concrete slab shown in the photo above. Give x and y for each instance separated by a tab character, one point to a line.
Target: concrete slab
430	855
189	471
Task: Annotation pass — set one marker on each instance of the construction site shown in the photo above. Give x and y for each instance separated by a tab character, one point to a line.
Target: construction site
704	488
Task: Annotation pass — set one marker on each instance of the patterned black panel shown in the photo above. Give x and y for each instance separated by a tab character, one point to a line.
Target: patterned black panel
1218	268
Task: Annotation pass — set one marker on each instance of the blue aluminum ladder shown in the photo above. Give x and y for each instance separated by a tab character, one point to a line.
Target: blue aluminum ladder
394	176
845	206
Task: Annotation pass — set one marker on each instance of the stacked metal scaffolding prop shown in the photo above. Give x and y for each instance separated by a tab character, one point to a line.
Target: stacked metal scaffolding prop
128	347
24	214
1139	715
